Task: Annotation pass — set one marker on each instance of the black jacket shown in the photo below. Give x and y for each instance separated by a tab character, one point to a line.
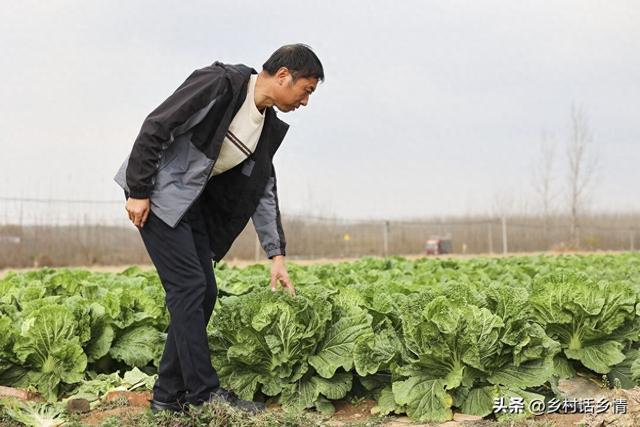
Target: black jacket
178	145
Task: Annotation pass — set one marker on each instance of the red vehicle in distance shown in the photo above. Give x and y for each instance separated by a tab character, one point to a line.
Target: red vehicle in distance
438	246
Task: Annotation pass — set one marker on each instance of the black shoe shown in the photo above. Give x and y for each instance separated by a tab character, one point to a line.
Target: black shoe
230	398
178	405
158	406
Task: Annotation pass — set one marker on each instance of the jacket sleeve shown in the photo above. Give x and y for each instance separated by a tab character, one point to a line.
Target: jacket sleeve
188	104
267	222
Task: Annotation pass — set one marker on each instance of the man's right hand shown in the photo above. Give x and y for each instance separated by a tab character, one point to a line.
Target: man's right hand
138	211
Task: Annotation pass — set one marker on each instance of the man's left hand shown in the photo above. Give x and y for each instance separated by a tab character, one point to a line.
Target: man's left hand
279	274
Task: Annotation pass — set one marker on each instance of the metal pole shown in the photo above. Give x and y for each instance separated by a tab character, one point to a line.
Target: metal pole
20	221
490	238
632	239
504	235
386	238
257	249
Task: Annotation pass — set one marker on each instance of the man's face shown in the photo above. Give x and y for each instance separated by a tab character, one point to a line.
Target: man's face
291	95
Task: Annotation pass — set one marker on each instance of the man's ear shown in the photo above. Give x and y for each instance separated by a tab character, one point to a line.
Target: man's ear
282	74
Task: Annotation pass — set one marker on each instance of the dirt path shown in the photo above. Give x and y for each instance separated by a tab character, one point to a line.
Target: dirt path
359	414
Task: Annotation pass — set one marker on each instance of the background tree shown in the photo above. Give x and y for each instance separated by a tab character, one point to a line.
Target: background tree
543	180
581	170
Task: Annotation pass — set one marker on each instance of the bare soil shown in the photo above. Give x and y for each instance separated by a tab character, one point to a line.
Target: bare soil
354	414
97	417
348	412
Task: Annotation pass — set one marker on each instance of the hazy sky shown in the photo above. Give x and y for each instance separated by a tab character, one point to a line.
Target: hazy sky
429	107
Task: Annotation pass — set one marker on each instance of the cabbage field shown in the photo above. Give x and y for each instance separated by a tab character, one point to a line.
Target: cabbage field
425	337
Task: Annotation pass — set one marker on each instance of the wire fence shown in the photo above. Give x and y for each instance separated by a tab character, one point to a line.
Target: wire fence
57	232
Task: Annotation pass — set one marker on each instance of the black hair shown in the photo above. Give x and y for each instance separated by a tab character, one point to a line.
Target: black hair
298	58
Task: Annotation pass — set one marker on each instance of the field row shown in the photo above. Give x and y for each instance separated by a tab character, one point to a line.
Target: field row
423	337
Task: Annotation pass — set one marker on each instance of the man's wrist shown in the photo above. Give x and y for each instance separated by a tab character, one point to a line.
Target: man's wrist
274	252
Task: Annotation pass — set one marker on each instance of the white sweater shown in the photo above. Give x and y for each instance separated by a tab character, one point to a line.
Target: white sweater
243	134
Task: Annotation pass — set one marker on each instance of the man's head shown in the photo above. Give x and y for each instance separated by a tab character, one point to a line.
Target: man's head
295	72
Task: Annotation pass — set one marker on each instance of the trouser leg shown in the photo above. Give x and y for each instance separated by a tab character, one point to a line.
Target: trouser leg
201	240
169	385
178	255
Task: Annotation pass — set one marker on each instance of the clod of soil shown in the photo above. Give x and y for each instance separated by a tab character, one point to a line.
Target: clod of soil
78	406
138	399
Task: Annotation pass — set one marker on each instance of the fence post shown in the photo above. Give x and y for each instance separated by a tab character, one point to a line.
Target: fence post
632	239
504	234
21	220
257	249
490	238
386	239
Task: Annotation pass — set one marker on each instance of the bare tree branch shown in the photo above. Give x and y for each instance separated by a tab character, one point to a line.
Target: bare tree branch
581	168
543	179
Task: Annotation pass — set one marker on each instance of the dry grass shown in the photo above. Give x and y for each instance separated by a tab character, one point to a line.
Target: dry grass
82	245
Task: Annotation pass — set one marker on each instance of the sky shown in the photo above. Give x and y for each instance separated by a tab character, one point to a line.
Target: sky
429	108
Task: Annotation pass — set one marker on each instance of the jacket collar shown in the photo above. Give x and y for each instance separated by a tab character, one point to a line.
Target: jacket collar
238	76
